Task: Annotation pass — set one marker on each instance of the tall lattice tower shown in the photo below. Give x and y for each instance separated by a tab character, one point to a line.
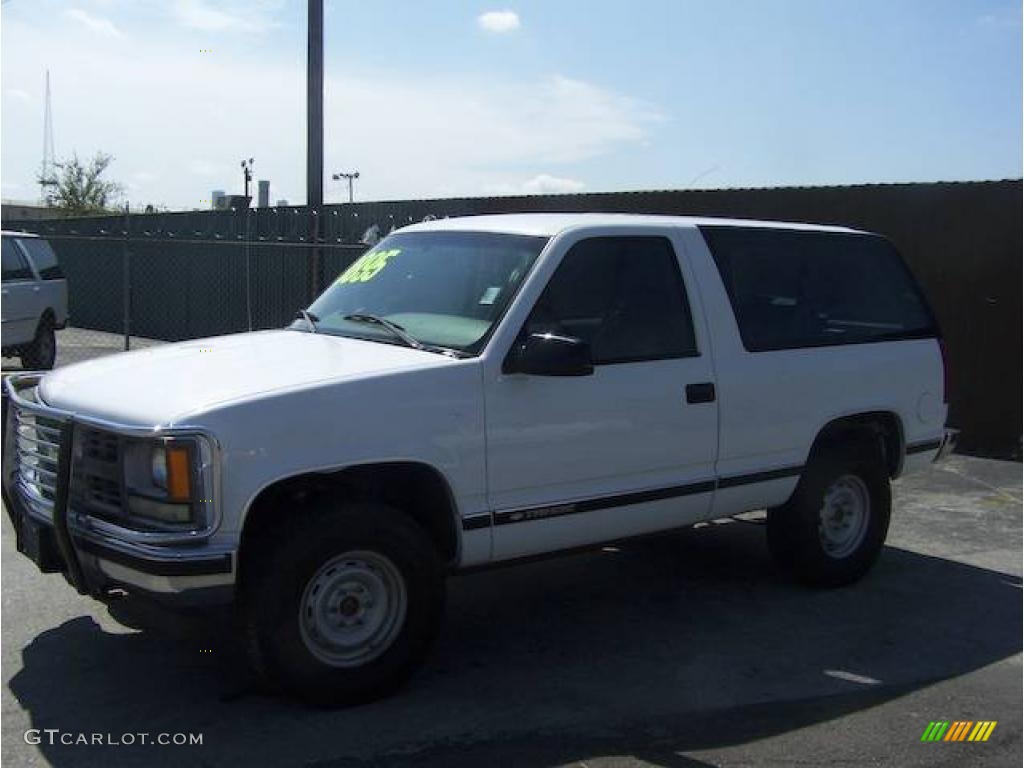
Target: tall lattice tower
46	172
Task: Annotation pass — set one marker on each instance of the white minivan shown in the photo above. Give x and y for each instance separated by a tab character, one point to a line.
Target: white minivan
35	300
474	391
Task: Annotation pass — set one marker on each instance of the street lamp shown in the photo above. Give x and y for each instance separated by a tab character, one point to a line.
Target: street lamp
350	176
247	173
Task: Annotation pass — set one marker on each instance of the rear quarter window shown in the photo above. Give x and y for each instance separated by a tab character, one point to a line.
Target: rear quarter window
14	265
793	289
43	257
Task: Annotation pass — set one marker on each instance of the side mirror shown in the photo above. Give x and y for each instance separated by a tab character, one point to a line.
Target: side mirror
547	354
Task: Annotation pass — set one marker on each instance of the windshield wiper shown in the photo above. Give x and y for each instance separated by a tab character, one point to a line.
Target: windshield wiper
400	333
395	329
309	317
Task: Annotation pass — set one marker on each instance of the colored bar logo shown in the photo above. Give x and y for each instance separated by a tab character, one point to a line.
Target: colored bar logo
958	730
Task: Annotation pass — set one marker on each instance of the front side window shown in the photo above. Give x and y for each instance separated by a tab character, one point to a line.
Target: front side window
43	257
622	295
14	265
792	289
442	289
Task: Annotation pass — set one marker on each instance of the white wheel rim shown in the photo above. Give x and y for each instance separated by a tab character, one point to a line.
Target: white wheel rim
844	515
352	609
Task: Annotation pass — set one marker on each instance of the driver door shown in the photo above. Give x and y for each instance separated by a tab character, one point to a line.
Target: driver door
578	460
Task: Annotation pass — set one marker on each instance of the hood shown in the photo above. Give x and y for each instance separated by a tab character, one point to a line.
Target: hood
162	385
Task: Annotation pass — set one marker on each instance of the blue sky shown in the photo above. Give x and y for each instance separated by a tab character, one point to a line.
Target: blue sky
431	99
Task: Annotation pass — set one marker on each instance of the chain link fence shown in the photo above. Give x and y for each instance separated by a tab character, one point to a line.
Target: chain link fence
138	280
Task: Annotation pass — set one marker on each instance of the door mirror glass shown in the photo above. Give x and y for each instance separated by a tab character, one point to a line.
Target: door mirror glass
548	354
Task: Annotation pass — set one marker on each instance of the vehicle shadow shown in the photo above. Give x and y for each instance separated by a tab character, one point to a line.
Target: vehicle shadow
685	642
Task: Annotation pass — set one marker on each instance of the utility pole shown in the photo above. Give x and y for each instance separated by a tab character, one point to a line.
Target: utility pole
351	177
315	134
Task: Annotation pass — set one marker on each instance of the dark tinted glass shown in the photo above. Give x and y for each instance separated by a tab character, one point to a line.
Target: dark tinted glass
43	257
622	295
14	265
809	289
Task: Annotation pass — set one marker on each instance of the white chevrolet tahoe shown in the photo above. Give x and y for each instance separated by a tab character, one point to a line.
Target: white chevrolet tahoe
473	391
35	300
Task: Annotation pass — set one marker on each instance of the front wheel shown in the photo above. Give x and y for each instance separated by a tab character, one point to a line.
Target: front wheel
833	528
347	607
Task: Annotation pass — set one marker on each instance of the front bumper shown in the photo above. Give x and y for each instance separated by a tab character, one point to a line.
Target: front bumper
59	539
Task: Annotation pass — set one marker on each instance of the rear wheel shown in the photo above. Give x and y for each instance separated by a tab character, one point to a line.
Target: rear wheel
347	607
833	528
41	353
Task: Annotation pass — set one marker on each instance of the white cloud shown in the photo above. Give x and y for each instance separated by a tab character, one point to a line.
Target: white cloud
1006	18
498	21
544	184
197	14
203	168
541	184
95	23
469	135
142	178
409	134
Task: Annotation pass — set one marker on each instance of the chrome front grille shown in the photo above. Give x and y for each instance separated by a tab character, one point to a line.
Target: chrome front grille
37	447
95	483
99	446
96	486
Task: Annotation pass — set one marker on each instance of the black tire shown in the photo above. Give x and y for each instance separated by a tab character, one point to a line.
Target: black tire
795	530
274	594
41	353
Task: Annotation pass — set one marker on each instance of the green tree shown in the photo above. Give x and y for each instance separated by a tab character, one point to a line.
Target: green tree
78	189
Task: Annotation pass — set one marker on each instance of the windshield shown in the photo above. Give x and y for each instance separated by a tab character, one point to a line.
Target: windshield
444	289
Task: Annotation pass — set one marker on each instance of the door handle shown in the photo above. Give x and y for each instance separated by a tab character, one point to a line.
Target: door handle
700	393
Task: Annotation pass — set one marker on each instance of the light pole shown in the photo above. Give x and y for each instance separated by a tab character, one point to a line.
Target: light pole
351	177
247	173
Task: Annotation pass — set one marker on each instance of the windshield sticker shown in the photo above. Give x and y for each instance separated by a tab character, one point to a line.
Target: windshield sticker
367	266
490	295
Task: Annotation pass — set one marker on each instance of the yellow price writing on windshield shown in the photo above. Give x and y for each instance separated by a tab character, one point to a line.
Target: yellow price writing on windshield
367	266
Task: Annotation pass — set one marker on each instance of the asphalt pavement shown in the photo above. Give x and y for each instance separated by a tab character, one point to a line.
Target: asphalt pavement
686	650
76	345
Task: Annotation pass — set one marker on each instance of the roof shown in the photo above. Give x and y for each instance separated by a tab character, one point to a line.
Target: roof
550	224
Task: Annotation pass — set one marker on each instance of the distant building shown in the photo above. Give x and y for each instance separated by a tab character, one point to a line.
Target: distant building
264	193
215	198
282	202
233	202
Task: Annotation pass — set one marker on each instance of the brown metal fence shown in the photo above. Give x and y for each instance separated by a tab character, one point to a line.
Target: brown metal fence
172	276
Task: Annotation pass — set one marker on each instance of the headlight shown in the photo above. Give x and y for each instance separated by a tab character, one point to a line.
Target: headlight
171	469
165	481
159	468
